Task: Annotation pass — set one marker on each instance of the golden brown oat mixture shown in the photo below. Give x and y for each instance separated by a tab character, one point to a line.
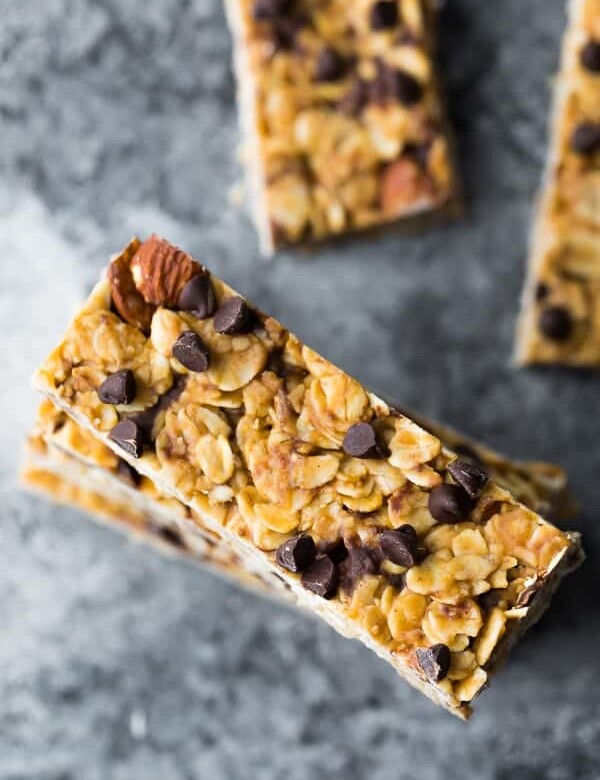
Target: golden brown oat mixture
342	114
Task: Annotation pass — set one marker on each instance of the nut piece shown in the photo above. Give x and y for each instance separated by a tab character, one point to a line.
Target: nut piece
404	185
161	271
125	296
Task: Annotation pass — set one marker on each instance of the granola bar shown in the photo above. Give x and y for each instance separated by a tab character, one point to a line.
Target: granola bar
371	522
560	321
342	116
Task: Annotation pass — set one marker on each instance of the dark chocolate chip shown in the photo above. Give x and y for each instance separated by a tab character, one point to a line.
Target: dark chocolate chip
119	388
469	476
191	351
384	14
555	323
171	536
434	661
406	88
321	577
145	420
542	291
330	66
586	138
360	562
129	436
337	550
265	10
397	581
128	473
467	452
355	99
233	316
590	56
198	297
400	546
449	503
285	31
360	441
296	554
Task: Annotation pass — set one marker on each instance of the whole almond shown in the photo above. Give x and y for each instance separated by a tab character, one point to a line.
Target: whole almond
161	271
126	298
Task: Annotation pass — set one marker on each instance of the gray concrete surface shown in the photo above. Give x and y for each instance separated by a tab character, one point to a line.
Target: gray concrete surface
118	116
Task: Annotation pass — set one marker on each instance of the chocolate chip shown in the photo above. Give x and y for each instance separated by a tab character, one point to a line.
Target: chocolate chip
264	10
285	31
406	88
469	476
542	291
400	546
556	323
359	562
586	138
233	316
198	297
128	473
330	66
355	99
449	503
397	581
590	56
360	441
119	388
296	554
434	661
383	14
129	436
191	351
321	577
337	550
171	536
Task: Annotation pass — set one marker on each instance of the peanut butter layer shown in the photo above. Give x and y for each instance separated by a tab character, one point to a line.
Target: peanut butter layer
560	321
342	115
368	518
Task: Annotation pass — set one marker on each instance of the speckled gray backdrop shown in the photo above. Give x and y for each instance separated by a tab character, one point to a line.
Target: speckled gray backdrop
118	116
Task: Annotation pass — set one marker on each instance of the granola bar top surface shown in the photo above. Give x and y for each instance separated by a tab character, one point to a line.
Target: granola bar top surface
561	308
392	538
342	114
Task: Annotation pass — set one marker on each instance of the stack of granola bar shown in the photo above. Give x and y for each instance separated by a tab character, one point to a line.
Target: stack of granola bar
215	428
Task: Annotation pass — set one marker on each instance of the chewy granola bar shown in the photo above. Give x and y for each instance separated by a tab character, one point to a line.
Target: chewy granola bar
341	113
560	321
370	521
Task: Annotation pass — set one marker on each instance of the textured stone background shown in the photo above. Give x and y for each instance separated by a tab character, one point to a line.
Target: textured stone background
118	117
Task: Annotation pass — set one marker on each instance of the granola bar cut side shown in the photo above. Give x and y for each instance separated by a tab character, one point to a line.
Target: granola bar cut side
368	518
73	468
71	465
560	319
341	113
